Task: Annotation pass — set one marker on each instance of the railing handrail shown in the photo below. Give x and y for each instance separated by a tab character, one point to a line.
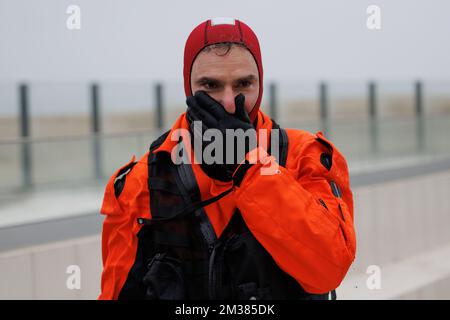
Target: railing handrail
376	176
64	138
138	132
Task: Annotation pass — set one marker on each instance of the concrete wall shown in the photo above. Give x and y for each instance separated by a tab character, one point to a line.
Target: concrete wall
404	228
40	272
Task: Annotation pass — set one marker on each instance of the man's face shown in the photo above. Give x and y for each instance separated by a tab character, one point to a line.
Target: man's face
223	77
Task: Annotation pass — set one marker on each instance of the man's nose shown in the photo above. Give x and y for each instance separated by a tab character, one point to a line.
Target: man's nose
228	100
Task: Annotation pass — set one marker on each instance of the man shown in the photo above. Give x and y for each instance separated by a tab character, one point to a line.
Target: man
228	229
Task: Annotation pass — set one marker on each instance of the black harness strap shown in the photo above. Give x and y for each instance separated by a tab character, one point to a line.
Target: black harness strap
155	144
192	193
161	184
283	142
283	147
170	239
186	210
188	187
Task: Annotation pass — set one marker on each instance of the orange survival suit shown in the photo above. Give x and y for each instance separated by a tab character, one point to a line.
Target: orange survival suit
284	236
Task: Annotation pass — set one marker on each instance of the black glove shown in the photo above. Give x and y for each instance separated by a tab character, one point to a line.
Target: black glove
202	107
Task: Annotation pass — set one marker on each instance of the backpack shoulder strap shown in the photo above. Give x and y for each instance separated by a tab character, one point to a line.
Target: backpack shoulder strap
184	185
155	144
283	144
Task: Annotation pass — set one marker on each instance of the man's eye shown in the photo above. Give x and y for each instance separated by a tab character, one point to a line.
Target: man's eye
210	85
245	84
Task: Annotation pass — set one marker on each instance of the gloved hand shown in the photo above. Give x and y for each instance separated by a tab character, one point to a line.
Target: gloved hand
202	107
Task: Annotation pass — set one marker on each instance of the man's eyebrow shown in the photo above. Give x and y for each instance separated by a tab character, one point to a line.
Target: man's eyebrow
250	77
206	80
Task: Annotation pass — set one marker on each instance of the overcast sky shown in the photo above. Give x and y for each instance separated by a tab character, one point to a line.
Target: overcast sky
300	40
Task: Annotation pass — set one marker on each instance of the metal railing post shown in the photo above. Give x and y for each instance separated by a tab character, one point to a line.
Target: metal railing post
96	129
373	118
159	104
25	134
324	112
420	117
273	101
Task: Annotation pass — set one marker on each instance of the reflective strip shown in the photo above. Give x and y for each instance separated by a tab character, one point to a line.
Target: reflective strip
326	160
335	189
122	175
222	20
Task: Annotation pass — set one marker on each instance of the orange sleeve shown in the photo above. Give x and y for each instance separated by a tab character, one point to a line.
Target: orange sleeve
120	228
313	243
